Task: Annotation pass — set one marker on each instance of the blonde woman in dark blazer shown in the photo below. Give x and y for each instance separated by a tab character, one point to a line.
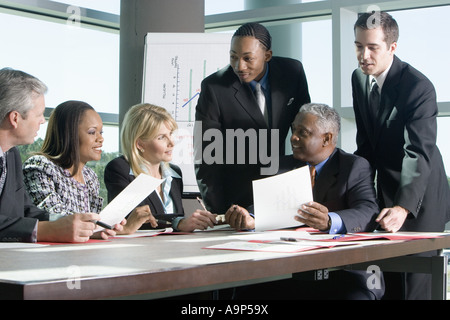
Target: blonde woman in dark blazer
147	146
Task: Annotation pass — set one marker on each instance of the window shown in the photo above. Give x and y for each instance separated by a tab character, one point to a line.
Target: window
76	62
421	43
110	6
216	7
317	60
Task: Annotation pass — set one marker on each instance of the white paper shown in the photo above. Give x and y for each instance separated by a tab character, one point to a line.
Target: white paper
265	247
278	198
128	199
145	233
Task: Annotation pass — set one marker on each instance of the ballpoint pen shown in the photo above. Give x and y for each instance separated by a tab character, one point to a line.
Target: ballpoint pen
219	218
201	203
288	239
159	221
103	225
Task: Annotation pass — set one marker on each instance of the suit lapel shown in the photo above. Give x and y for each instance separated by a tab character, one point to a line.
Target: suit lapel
277	85
326	178
388	96
245	97
176	195
7	198
364	109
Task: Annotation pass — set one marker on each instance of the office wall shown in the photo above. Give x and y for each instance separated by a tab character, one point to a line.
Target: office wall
137	18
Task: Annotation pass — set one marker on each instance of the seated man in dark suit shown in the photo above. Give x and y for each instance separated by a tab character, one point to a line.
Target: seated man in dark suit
344	201
22	108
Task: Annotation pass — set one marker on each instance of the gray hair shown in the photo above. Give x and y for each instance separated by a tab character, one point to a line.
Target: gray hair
17	91
327	118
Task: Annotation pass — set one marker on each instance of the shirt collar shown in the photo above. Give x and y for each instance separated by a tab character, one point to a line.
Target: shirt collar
166	171
264	80
382	77
320	165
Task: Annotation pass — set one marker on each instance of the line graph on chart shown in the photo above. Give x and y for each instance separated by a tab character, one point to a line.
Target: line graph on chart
175	65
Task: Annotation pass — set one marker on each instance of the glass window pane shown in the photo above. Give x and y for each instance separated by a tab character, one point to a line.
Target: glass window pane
216	6
110	6
424	46
76	63
317	60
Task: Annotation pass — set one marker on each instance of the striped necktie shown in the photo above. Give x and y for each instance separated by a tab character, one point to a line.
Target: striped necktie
2	172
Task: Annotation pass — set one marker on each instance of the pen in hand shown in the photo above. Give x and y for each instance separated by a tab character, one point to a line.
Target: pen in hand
219	218
103	225
201	203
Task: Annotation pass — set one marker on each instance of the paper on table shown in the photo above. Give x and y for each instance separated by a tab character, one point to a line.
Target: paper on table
128	199
145	233
265	247
277	199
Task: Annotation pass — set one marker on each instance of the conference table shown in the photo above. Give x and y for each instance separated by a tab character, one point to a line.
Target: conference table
173	264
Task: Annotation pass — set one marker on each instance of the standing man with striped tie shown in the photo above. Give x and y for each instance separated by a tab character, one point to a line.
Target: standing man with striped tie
395	110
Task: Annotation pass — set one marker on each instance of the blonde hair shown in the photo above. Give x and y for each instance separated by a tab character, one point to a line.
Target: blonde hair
142	121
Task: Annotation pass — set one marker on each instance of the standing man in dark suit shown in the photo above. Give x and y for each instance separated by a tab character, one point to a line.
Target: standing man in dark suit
395	109
344	201
229	103
22	108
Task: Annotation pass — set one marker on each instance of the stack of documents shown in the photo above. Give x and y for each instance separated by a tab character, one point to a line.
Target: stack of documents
285	241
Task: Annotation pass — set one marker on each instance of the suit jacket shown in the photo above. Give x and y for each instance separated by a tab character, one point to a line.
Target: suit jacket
18	215
226	103
401	147
345	186
118	177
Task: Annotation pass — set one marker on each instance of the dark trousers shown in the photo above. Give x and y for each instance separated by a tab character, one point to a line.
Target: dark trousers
340	285
409	286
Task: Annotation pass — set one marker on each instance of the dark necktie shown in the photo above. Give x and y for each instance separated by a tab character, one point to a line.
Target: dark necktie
374	100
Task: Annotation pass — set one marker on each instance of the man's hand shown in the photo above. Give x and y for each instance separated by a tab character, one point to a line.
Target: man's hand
314	215
78	227
199	220
239	218
392	219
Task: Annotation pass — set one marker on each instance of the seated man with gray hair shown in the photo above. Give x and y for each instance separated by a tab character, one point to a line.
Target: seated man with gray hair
344	201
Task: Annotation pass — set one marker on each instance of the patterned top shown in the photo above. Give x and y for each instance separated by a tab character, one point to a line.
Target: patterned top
51	188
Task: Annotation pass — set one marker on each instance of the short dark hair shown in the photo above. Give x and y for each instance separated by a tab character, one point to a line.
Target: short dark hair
61	144
253	29
381	19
